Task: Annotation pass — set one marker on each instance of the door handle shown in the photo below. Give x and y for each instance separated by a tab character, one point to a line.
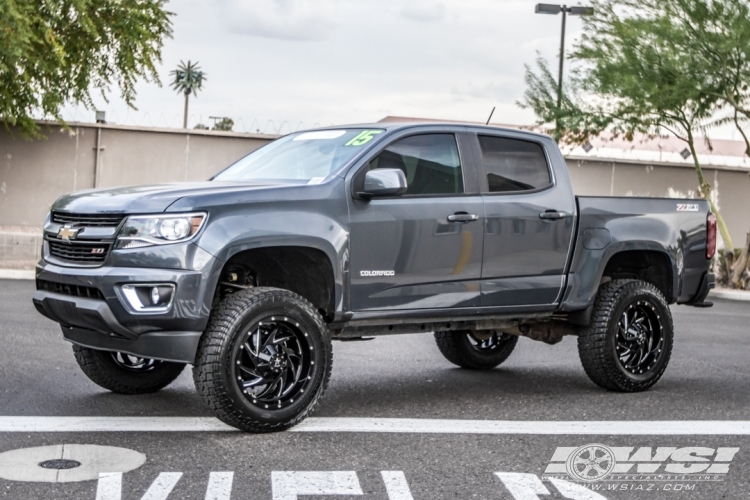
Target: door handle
462	217
552	215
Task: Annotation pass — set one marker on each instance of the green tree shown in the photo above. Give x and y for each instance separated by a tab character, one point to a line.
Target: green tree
718	32
643	68
188	79
577	121
225	124
57	51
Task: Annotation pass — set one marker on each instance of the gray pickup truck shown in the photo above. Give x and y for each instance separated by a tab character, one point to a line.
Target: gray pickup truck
469	232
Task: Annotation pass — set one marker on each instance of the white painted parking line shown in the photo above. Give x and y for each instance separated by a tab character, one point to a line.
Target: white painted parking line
290	485
163	486
112	424
109	486
575	491
219	486
529	487
396	485
607	428
387	425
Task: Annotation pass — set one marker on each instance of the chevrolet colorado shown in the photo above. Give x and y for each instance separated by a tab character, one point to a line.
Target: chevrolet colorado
469	232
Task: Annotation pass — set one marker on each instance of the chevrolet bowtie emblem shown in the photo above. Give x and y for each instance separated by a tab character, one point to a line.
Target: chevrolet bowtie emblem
67	233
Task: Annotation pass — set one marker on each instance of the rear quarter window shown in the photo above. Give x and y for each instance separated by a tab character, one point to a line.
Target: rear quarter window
514	165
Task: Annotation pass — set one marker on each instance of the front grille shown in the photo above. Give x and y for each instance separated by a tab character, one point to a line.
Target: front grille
81	252
88	220
73	290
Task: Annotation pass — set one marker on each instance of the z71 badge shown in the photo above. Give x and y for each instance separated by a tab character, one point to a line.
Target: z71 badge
687	207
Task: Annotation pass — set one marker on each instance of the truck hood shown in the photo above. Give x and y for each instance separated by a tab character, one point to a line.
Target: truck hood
146	199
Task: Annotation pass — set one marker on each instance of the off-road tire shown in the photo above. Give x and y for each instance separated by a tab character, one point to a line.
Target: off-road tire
101	368
597	342
457	348
212	372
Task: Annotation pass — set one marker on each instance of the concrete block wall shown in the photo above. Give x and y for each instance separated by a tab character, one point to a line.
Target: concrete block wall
34	173
20	247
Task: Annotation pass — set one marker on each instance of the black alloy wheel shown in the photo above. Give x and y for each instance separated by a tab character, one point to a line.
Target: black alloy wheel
126	373
475	350
627	345
135	363
273	365
490	341
640	342
264	361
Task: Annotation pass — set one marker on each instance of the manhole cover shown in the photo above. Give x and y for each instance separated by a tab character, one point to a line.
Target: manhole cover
59	464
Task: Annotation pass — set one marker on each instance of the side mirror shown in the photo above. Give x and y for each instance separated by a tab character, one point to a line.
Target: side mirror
384	182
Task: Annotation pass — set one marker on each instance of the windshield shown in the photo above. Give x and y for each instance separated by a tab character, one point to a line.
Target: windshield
306	156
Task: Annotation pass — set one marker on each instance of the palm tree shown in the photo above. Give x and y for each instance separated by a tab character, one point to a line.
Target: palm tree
188	78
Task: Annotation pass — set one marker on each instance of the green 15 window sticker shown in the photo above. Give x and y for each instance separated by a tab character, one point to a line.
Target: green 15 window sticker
363	138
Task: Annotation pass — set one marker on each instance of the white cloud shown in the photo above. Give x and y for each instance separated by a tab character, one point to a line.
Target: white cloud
299	20
356	61
424	11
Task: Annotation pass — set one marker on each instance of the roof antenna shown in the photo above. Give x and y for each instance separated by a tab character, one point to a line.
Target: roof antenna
491	113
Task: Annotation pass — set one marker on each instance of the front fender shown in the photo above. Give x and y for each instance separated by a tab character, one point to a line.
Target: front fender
232	233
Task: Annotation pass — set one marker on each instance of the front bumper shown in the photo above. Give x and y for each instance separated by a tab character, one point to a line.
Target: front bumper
90	323
105	320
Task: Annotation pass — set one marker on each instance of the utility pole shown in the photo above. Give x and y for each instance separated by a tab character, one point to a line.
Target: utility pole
553	9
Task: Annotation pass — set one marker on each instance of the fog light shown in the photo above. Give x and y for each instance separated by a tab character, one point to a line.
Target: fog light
149	298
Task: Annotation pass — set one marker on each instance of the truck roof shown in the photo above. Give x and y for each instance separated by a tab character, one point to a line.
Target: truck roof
393	126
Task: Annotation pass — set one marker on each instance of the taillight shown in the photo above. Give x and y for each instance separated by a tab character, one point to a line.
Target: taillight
710	236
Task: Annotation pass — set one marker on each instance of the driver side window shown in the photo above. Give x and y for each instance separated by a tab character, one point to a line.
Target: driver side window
430	163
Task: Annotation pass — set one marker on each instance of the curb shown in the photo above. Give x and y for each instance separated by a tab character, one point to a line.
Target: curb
16	274
740	295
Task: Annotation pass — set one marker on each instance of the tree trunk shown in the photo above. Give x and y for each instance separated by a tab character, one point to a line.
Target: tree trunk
742	132
739	267
185	118
704	188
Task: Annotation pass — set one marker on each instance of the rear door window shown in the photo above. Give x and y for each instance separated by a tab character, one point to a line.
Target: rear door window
430	163
514	165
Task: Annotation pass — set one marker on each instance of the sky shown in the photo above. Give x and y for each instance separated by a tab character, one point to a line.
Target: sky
283	65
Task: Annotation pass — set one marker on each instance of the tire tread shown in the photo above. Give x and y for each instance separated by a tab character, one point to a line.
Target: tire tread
208	367
106	374
597	361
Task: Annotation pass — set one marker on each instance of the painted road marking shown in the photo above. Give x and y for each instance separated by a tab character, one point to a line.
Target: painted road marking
219	486
23	464
162	486
290	485
396	485
109	486
529	487
387	425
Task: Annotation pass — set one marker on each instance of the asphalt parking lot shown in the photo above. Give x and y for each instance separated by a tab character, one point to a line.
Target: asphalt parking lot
404	377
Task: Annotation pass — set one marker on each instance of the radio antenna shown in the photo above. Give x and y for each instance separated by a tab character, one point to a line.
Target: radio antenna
491	113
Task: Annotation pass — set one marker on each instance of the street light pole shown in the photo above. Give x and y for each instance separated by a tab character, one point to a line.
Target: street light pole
546	8
562	61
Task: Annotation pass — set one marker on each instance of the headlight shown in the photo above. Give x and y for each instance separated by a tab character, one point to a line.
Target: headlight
144	231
